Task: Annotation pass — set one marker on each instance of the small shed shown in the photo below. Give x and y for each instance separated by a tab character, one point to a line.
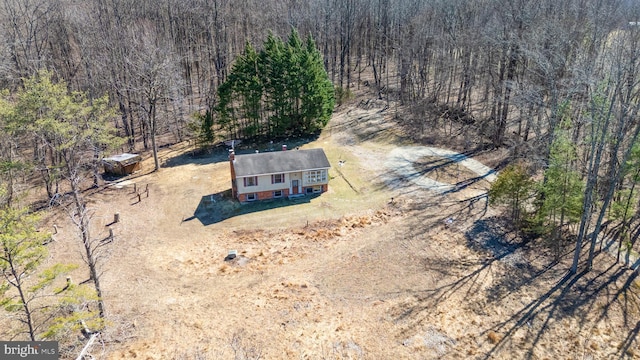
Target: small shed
122	164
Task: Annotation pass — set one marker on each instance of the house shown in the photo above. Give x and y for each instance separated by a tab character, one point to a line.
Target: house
278	174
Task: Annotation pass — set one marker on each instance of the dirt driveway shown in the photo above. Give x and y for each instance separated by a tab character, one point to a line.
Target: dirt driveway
402	161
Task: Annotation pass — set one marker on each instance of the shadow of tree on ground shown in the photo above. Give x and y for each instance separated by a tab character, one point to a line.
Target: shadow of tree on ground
214	208
535	292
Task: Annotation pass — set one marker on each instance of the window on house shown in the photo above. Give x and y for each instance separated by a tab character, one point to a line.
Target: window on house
277	193
277	178
309	190
252	197
316	176
251	181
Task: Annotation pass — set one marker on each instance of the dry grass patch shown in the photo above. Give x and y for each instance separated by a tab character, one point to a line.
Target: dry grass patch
494	337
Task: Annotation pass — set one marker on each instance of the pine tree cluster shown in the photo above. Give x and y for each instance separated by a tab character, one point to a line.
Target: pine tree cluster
282	90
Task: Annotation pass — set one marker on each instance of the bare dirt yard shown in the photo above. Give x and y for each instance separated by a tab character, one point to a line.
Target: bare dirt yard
383	266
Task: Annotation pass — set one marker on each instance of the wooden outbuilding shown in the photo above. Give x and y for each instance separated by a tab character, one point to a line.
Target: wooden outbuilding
122	164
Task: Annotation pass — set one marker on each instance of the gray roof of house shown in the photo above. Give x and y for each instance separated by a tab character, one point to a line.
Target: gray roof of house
280	162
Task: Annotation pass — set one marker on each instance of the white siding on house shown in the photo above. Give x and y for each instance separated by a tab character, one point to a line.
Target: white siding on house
264	184
305	179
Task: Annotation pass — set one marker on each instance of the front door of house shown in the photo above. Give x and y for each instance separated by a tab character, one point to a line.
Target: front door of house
294	186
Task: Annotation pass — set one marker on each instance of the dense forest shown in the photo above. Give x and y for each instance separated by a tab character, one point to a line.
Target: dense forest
554	82
507	65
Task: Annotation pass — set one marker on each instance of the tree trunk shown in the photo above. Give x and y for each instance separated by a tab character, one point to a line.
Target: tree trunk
614	174
23	299
153	125
81	220
597	148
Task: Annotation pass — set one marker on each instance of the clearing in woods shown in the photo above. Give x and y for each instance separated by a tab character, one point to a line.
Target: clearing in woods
367	270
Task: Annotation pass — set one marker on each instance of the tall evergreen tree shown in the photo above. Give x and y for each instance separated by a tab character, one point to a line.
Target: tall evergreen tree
248	87
513	187
563	189
274	67
75	131
317	92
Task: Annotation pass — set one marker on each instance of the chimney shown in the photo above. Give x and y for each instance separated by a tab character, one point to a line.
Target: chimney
232	155
284	147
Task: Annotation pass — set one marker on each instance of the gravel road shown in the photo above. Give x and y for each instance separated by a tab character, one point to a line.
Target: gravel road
401	160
